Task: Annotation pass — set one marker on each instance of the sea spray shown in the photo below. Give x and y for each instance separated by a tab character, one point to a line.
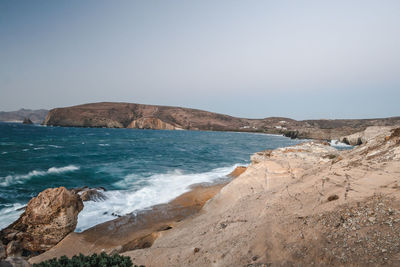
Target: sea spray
145	192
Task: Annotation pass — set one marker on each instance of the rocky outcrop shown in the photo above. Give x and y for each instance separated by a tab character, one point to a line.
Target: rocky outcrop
90	194
47	219
27	121
151	123
127	115
363	136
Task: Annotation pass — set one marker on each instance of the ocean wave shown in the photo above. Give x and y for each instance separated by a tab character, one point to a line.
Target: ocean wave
10	213
19	179
138	193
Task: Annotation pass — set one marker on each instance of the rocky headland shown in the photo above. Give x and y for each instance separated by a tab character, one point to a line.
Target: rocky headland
128	115
308	204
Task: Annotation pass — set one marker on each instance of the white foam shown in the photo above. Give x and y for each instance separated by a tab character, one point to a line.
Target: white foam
139	193
38	148
337	143
3	153
10	214
55	146
19	179
104	144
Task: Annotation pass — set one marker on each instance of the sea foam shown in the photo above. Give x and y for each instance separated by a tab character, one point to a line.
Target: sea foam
19	179
338	144
10	214
138	193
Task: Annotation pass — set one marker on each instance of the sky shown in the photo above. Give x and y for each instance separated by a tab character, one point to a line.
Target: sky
299	59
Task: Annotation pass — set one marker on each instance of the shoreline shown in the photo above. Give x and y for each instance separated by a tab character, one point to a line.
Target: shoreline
140	229
300	205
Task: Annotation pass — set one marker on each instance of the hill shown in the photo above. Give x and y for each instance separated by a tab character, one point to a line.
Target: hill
130	115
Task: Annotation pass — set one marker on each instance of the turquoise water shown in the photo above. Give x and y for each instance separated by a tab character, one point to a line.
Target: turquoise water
139	168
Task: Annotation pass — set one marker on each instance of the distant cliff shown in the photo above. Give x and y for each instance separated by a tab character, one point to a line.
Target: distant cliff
128	115
36	116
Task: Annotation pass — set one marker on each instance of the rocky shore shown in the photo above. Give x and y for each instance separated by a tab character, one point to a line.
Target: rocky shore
308	204
298	206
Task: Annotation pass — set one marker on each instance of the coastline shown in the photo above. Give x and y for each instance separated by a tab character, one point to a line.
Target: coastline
308	204
298	205
137	230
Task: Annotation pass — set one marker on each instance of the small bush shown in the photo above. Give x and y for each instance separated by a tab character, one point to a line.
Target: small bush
95	260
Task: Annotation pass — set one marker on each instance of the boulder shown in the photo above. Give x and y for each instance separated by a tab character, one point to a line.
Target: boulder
47	219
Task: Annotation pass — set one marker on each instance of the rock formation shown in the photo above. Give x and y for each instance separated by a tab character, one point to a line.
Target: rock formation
127	115
47	219
363	136
151	123
90	194
27	121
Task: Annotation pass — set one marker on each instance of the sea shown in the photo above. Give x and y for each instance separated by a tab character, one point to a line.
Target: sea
138	168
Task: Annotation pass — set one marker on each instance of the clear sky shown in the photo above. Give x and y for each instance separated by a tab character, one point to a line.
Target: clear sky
299	59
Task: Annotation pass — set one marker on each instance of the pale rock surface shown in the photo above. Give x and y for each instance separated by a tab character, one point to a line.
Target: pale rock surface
150	123
368	134
304	205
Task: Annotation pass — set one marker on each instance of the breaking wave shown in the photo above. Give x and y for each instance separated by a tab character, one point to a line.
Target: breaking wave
144	192
19	179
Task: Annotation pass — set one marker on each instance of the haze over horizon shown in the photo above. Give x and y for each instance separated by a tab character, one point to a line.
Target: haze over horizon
254	59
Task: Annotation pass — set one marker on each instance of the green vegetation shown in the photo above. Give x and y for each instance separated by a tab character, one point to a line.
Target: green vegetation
95	260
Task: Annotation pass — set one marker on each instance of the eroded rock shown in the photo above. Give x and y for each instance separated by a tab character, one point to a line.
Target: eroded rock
238	171
362	137
48	218
91	194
